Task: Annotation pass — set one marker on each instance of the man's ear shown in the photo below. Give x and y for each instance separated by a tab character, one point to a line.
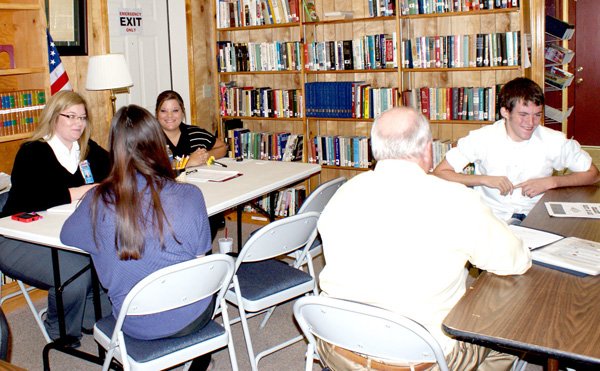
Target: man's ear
504	112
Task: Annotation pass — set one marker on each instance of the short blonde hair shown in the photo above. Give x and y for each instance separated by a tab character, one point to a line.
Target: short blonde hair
49	116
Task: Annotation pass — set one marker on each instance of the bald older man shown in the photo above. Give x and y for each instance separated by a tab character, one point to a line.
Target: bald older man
399	238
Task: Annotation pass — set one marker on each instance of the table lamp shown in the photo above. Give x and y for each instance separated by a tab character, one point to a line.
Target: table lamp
109	72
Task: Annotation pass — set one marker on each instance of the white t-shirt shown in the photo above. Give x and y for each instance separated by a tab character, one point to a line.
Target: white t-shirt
494	153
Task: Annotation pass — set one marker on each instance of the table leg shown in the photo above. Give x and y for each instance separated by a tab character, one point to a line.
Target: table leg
239	209
59	344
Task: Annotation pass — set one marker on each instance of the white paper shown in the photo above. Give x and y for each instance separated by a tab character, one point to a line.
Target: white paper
64	209
571	253
573	209
209	175
534	238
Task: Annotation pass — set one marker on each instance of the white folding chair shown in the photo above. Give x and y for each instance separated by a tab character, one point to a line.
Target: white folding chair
262	281
316	201
169	288
365	329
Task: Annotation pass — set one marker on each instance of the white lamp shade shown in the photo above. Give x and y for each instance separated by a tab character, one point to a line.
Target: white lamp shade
108	71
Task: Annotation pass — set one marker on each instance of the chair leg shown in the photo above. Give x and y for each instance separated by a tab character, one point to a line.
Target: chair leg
309	357
245	327
267	316
4	298
34	311
230	346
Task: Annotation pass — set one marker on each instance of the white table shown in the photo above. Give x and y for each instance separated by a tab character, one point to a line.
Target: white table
258	178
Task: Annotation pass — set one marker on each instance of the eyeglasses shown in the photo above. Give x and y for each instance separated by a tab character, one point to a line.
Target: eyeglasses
82	119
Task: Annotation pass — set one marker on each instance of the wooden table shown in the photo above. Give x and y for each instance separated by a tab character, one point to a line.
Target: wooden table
544	311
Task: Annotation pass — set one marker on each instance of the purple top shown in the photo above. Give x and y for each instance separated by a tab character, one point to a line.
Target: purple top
185	211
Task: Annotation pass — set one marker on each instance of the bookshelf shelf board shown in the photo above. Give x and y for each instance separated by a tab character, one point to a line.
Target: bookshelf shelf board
262	118
285	72
339	119
5	6
456	69
351	20
455	14
474	122
261	27
10	138
309	72
346	168
20	71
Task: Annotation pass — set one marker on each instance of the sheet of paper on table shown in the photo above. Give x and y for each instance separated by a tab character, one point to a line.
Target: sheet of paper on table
573	209
210	175
534	238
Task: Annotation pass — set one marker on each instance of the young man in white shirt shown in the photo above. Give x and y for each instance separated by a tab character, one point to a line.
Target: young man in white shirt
515	158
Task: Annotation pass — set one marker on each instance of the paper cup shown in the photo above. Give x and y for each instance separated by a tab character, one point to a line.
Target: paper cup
225	245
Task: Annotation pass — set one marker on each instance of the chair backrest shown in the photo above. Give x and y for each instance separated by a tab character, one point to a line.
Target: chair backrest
179	285
280	237
367	330
318	198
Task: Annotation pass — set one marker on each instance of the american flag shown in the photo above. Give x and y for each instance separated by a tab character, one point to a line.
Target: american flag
58	76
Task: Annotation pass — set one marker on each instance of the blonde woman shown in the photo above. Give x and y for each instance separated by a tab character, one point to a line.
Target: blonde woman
56	166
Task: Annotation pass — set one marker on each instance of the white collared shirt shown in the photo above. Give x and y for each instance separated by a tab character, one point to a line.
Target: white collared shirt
494	153
68	159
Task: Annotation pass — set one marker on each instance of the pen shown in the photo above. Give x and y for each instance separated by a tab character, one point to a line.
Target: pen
211	160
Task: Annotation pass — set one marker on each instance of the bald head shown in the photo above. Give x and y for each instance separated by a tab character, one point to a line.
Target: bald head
401	133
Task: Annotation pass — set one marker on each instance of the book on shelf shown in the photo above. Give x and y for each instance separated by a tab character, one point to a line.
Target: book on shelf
559	29
412	7
557	77
310	11
556	114
557	54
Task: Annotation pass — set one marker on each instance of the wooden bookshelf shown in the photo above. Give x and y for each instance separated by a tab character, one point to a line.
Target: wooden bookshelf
525	19
24	27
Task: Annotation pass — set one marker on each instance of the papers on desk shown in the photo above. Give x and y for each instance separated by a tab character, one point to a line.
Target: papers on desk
64	209
573	209
568	254
534	238
202	175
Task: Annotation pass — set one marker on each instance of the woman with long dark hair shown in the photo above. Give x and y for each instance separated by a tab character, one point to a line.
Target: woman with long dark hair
140	220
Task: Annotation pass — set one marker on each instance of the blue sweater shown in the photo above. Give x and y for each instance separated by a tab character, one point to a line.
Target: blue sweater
186	213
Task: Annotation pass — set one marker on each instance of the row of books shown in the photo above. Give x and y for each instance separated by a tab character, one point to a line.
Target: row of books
286	202
457	51
249	101
348	151
282	146
348	99
410	7
439	149
263	56
382	8
239	13
20	111
365	53
455	103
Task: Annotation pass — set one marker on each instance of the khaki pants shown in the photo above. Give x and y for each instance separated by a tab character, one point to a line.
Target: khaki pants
464	357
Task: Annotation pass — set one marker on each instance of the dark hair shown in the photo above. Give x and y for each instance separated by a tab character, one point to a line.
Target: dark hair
520	89
137	148
168	95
